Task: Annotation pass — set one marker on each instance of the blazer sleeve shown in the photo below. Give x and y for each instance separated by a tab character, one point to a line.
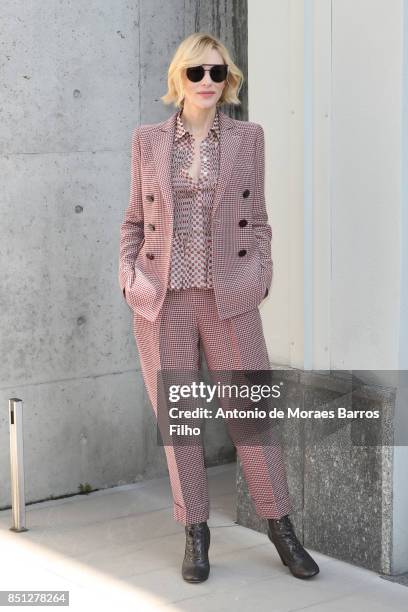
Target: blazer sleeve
132	228
261	226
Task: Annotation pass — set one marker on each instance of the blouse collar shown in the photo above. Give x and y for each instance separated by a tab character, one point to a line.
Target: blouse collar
181	130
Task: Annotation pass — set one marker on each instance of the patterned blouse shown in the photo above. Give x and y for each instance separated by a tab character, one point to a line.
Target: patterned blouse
191	257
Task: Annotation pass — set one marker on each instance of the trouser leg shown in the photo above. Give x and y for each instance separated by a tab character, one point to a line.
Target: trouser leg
172	342
238	343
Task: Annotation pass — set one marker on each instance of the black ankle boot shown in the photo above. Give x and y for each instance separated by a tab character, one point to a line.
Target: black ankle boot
291	551
196	566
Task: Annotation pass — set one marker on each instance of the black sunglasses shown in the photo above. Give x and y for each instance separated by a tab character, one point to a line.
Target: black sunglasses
218	72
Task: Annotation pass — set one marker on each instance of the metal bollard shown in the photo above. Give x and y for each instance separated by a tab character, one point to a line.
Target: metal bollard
17	464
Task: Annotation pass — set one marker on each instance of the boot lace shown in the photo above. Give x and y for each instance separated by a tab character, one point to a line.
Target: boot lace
196	540
287	535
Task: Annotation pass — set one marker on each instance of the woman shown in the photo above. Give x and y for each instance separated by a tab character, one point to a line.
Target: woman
195	263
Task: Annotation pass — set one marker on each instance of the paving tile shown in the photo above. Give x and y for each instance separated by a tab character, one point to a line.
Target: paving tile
122	548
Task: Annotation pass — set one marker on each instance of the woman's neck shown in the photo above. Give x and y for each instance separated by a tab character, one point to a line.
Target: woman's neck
198	121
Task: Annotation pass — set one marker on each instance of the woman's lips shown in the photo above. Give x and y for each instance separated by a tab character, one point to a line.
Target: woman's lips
205	93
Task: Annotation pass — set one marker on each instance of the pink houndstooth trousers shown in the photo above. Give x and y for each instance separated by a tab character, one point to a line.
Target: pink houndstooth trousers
189	317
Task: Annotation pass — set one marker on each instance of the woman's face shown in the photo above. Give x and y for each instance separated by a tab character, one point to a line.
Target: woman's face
193	91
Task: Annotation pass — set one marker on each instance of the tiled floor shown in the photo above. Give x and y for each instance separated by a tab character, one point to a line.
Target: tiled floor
121	549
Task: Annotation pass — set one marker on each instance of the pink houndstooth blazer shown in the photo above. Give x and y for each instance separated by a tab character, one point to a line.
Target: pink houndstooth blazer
241	234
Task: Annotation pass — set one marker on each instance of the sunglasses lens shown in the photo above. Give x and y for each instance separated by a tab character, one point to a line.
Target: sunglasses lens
218	73
195	73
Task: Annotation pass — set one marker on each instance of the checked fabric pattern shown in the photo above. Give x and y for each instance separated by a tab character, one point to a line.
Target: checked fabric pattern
191	259
238	222
187	320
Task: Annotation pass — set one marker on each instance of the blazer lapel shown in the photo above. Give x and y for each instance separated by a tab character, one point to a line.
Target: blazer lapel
230	140
162	146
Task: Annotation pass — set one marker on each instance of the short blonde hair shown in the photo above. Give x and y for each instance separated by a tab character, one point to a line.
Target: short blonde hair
189	53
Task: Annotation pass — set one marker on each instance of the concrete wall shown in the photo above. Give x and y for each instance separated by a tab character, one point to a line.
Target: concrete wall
76	79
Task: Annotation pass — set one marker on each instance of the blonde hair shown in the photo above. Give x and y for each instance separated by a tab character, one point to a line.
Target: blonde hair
189	53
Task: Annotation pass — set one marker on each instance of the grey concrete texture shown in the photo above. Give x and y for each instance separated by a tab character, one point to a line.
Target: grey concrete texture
77	79
121	549
341	491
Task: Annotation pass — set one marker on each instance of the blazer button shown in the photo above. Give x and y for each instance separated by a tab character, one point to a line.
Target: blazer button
246	193
242	252
151	226
150	198
243	223
149	255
